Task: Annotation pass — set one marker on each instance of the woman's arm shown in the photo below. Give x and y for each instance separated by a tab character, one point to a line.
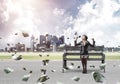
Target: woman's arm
93	44
76	44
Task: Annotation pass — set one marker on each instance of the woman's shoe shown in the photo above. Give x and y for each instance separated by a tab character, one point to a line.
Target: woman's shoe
85	71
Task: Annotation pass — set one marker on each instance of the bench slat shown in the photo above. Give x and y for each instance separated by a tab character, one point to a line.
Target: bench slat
77	48
76	59
93	54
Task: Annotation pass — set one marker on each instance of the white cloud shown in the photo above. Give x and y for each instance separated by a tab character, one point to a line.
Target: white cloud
99	22
94	18
58	12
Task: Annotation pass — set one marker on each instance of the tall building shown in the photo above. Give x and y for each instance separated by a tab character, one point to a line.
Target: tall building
32	43
55	39
42	40
61	40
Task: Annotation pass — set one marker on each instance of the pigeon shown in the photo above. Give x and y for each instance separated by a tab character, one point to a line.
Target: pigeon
31	72
43	71
25	34
53	70
26	77
8	70
45	62
98	77
24	69
16	57
42	78
72	64
78	67
76	78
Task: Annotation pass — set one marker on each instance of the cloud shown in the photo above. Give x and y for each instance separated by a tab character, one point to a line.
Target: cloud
96	19
58	12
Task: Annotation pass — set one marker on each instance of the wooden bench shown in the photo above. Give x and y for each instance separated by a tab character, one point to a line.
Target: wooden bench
94	52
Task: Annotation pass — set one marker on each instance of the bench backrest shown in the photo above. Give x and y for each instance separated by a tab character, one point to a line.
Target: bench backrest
77	48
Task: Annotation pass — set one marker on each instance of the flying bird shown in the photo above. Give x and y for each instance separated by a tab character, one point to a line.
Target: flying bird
25	34
16	57
26	77
76	78
42	78
98	77
8	70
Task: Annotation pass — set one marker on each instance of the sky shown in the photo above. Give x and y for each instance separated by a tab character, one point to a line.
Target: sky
98	19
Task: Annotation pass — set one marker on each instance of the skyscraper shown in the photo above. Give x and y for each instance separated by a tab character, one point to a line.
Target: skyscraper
42	40
32	43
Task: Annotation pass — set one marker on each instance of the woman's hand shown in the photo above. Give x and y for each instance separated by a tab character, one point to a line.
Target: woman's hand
93	39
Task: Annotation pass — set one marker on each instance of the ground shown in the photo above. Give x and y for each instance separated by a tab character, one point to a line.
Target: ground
112	72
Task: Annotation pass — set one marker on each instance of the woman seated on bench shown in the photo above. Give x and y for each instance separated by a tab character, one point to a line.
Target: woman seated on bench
84	50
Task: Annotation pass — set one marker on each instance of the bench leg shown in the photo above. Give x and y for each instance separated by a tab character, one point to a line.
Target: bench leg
103	58
103	61
64	65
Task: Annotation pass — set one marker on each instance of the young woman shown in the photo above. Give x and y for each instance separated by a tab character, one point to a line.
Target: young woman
84	50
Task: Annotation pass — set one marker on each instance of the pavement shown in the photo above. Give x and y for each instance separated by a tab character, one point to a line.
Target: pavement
112	73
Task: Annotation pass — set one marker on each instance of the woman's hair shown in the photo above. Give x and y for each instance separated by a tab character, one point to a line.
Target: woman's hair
85	37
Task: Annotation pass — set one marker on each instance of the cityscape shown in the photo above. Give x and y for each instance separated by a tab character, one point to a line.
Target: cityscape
35	44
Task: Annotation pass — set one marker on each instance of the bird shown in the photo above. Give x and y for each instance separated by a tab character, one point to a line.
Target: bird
45	62
98	77
26	77
8	70
16	57
24	68
40	55
78	67
76	78
53	70
42	78
31	72
43	71
25	34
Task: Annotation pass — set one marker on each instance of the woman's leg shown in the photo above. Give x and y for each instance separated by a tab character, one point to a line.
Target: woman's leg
85	64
